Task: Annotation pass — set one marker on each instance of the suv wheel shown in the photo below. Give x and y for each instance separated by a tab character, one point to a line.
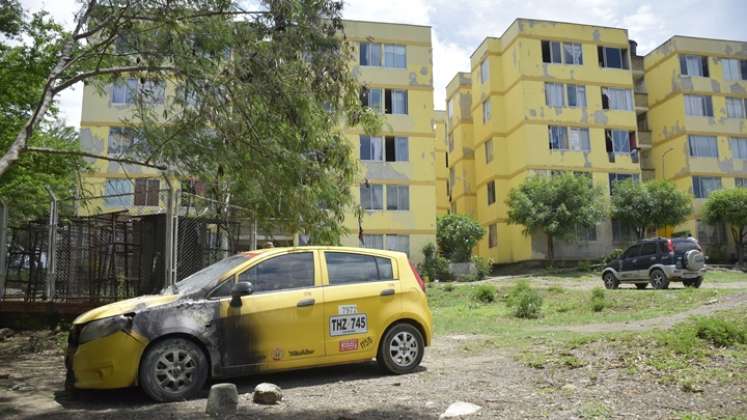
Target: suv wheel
610	282
659	279
693	282
172	370
401	349
641	286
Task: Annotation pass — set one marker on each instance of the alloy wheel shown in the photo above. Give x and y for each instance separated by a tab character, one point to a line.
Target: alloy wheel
404	349
174	370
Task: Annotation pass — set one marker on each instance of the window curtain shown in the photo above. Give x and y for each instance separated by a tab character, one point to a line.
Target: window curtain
735	108
558	138
619	99
620	141
554	94
394	56
701	146
739	148
401	150
399	102
579	139
731	69
116	187
694	66
572	53
694	105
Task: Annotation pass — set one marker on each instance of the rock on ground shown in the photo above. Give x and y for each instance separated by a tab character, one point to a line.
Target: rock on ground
460	408
222	400
266	393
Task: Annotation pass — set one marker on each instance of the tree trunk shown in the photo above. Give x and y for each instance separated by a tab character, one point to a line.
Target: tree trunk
739	243
550	249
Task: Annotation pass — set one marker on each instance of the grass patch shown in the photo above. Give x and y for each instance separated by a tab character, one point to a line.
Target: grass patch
597	299
484	293
524	300
724	276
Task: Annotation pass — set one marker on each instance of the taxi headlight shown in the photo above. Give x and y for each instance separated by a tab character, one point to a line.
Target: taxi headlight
103	327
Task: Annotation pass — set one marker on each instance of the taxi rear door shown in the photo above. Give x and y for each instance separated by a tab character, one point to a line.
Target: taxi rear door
361	293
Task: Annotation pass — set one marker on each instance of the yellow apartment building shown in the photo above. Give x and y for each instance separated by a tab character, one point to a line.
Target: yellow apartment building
543	97
441	162
697	101
461	155
397	186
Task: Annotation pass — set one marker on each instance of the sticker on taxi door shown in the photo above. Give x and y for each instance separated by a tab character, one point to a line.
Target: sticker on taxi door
348	324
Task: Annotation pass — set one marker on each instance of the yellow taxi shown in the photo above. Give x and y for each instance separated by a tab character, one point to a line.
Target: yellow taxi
259	311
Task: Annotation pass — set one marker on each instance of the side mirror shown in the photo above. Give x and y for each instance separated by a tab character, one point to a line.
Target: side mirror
242	288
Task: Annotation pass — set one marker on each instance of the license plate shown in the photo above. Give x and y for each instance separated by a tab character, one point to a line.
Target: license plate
348	324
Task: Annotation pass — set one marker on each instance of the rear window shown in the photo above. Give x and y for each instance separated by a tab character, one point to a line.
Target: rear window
346	268
684	246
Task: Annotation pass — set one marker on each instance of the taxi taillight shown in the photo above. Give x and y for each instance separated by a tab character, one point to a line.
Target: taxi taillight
417	276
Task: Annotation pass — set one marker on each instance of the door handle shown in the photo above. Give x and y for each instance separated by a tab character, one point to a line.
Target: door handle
387	292
306	302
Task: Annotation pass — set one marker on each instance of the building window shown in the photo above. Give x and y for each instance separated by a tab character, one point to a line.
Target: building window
372	196
450	141
124	91
569	138
118	193
397	197
694	65
698	105
567	52
395	56
486	110
735	107
619	141
489	151
615	178
370	54
450	108
554	94
586	234
738	148
491	192
122	140
613	58
372	98
399	243
621	99
484	70
740	182
373	241
153	91
389	149
703	146
703	186
734	69
492	235
147	191
576	96
395	101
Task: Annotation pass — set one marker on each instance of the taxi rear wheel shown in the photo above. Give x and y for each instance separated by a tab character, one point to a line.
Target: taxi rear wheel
401	349
173	369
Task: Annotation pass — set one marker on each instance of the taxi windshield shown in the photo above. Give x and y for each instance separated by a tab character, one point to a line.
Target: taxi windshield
206	277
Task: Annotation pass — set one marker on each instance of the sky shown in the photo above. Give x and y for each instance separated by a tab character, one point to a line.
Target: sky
458	26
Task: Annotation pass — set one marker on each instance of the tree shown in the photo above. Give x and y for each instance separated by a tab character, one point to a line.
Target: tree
23	70
456	235
729	207
260	98
651	204
556	206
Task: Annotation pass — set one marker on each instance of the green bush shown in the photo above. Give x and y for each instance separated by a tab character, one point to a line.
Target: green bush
524	300
598	302
434	266
584	266
482	265
457	234
484	293
720	332
612	255
448	287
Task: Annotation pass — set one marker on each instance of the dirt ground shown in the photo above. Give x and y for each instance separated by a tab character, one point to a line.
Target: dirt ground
455	368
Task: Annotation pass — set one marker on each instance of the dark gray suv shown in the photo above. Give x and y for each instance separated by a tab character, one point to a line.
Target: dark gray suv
657	261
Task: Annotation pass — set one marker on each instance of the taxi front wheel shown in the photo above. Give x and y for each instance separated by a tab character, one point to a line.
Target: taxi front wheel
401	349
173	369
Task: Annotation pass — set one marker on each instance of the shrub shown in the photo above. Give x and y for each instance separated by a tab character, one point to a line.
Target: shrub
524	300
484	293
434	266
612	255
457	234
482	265
719	332
584	266
598	302
449	287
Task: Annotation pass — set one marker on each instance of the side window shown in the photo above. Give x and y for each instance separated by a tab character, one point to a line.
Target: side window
289	271
648	248
224	290
631	252
346	268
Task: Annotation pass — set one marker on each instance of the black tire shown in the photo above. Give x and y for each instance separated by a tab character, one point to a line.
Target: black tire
694	283
174	369
610	281
641	286
659	279
401	349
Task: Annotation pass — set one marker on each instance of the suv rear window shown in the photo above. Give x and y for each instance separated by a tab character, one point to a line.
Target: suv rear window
684	245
